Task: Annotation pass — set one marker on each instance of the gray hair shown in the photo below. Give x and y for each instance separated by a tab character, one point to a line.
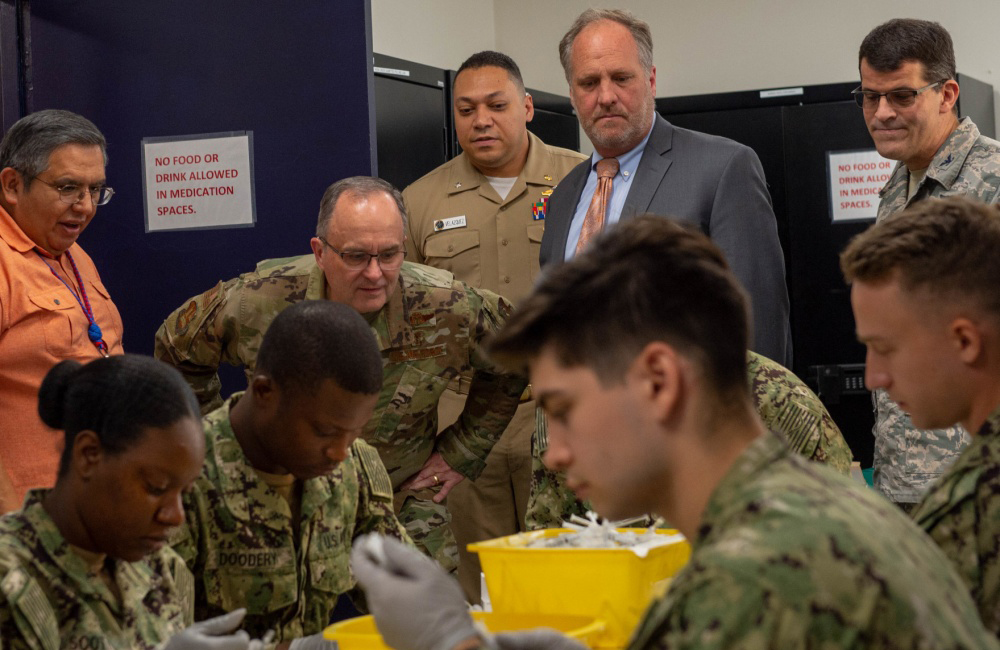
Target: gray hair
361	186
29	144
641	34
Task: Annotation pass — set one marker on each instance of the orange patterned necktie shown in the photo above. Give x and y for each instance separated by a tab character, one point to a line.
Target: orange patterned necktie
593	222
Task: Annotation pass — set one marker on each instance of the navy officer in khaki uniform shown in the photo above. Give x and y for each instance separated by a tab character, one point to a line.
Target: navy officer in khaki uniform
481	216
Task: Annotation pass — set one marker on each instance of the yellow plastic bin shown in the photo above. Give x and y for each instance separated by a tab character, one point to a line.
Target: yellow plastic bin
361	634
614	585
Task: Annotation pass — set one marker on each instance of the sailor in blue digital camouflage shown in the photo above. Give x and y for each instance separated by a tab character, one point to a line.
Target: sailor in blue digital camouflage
287	485
430	329
924	292
917	124
649	410
785	404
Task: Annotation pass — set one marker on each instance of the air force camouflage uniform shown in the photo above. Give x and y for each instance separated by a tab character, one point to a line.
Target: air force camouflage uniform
784	403
50	598
907	460
790	555
238	537
961	512
430	331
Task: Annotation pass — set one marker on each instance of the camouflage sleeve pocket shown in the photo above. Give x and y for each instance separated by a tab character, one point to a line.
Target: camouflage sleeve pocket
32	611
373	471
799	426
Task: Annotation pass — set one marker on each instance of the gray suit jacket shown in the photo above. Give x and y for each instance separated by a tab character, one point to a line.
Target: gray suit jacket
717	184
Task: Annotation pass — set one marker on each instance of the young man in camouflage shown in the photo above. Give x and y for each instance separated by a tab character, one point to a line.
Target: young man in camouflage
429	327
909	96
287	485
926	297
783	402
637	352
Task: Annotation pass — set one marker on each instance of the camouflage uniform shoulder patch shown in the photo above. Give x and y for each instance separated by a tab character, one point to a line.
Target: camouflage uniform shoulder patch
24	595
788	407
373	470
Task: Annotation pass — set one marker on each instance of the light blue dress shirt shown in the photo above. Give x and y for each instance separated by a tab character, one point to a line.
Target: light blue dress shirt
628	163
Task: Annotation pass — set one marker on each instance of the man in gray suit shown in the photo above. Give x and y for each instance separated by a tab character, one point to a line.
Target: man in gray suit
710	181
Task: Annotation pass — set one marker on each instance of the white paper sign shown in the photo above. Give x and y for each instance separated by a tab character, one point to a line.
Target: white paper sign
855	180
199	181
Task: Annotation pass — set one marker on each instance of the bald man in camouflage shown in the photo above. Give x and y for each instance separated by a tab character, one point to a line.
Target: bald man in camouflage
430	329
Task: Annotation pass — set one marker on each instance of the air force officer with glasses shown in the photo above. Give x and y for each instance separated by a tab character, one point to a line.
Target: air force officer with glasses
430	328
53	305
908	96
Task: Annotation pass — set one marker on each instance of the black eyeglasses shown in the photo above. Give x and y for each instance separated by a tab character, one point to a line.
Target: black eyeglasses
898	98
389	260
72	194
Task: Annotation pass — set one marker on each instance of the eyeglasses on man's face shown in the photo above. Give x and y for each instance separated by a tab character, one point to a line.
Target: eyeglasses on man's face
898	98
71	193
388	260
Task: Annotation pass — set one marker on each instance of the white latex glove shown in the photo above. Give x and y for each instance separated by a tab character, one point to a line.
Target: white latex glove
314	642
416	605
212	634
540	639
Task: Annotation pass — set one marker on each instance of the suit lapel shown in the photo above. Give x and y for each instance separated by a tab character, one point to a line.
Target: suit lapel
652	168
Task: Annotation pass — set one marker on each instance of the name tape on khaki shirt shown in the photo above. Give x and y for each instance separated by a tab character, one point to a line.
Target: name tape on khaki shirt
449	223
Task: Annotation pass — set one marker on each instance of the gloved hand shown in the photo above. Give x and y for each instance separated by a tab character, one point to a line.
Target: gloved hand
314	642
212	634
416	605
540	639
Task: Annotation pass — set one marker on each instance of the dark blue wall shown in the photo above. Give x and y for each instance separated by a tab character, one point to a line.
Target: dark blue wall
297	74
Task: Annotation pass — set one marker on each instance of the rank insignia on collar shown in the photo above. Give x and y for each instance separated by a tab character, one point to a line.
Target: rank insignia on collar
538	208
547	177
946	161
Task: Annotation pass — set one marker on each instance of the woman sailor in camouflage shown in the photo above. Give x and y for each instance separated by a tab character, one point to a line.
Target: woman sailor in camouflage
85	564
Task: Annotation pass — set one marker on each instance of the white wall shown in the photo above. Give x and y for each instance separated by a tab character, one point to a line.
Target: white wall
701	46
441	33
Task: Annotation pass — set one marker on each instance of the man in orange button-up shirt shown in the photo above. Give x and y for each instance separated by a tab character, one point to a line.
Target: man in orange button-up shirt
53	305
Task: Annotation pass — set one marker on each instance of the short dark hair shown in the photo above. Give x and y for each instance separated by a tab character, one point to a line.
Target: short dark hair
117	397
639	29
490	58
893	43
28	145
316	340
948	247
648	279
360	186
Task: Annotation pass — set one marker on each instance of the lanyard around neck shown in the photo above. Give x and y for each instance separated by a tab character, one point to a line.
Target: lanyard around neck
94	331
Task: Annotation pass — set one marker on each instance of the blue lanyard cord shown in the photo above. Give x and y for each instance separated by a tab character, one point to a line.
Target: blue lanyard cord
94	331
